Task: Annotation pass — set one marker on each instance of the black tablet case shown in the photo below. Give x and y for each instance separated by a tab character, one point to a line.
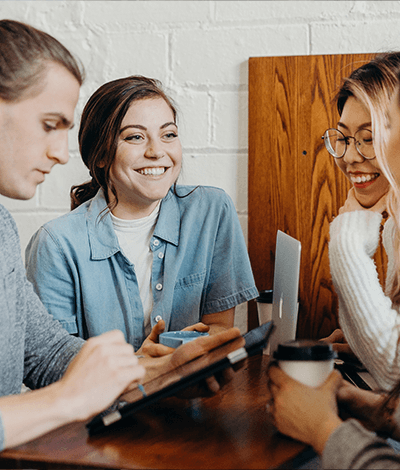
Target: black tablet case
188	375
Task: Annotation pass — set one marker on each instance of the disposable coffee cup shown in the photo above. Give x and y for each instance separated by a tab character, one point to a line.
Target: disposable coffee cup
264	309
308	362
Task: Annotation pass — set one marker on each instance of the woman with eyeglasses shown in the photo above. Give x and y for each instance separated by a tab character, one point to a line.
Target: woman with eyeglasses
369	318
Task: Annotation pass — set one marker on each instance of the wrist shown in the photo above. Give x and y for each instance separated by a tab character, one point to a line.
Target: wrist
324	433
68	405
154	366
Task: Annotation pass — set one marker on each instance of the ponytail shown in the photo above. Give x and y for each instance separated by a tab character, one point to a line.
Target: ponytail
83	192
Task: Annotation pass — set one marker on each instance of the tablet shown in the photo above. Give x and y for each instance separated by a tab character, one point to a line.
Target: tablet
187	375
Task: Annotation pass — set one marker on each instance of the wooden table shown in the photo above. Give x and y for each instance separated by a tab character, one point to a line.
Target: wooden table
230	430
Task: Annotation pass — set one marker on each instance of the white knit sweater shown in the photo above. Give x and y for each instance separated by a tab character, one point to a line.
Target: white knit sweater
370	323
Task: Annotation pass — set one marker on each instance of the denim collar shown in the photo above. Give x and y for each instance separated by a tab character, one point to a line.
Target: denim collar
102	238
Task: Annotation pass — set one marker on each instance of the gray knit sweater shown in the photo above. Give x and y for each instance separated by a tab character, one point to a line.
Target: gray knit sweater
34	348
352	446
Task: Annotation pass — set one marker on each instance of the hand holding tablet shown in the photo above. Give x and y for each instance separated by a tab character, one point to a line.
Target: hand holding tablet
186	366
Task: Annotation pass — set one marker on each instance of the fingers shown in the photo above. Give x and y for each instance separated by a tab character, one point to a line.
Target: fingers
105	363
342	348
111	337
189	351
336	336
157	329
346	392
156	349
109	345
213	385
201	327
276	376
208	343
218	381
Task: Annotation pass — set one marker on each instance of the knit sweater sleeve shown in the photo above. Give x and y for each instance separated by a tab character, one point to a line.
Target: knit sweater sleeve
352	446
366	316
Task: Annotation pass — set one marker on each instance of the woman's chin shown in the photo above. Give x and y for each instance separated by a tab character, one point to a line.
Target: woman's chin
368	201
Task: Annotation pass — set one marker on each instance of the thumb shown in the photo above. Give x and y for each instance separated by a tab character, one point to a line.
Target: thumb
157	329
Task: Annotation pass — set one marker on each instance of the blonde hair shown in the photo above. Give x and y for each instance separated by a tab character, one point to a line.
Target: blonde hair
375	95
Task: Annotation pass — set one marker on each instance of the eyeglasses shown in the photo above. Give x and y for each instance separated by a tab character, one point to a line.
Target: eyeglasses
336	143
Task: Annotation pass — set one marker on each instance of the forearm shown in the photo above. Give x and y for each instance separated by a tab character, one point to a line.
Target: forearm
352	446
365	313
326	430
219	321
32	414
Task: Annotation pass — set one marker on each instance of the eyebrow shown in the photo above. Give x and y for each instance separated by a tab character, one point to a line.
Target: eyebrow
362	126
65	121
143	128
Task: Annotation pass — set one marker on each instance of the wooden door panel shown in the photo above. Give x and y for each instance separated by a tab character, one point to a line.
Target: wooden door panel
294	185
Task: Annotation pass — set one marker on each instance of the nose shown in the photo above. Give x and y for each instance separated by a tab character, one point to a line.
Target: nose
58	148
352	155
154	150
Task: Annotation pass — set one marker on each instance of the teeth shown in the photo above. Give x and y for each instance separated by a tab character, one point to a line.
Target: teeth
152	171
363	178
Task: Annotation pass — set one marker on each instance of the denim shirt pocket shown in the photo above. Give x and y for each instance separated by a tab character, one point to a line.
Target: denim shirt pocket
187	301
191	281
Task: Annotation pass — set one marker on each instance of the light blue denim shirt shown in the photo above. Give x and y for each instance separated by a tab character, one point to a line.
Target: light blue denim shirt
200	266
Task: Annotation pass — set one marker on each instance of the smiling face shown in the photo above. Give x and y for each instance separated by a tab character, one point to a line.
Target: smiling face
34	133
148	158
366	177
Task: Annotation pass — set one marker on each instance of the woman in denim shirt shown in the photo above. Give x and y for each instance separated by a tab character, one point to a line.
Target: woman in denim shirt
139	252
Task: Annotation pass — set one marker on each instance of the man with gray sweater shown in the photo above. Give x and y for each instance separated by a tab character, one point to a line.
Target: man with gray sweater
39	88
72	380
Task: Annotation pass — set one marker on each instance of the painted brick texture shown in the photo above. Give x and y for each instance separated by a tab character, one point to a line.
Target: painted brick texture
200	51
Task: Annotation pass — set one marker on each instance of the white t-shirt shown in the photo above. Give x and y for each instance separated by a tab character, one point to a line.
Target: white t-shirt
134	238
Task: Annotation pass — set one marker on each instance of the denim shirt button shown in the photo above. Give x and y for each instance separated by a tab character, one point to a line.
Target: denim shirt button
161	255
159	286
156	242
158	318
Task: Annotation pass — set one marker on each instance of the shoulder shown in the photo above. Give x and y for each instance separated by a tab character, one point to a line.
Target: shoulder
363	223
9	238
7	222
68	223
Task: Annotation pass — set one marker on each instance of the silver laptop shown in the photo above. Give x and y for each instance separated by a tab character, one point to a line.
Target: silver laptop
286	289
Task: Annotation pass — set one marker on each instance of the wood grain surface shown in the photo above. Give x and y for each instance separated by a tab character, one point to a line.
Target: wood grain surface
293	183
231	430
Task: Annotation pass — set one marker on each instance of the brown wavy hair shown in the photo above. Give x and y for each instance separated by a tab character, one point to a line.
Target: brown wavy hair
99	131
24	52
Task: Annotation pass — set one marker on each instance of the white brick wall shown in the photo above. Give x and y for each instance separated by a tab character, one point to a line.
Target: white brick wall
199	49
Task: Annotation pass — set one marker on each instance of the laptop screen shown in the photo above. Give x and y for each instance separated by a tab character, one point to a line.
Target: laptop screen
286	289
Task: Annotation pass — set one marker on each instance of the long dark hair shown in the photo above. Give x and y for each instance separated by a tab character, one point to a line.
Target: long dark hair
99	130
24	52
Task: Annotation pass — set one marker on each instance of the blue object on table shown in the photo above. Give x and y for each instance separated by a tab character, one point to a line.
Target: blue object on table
173	339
